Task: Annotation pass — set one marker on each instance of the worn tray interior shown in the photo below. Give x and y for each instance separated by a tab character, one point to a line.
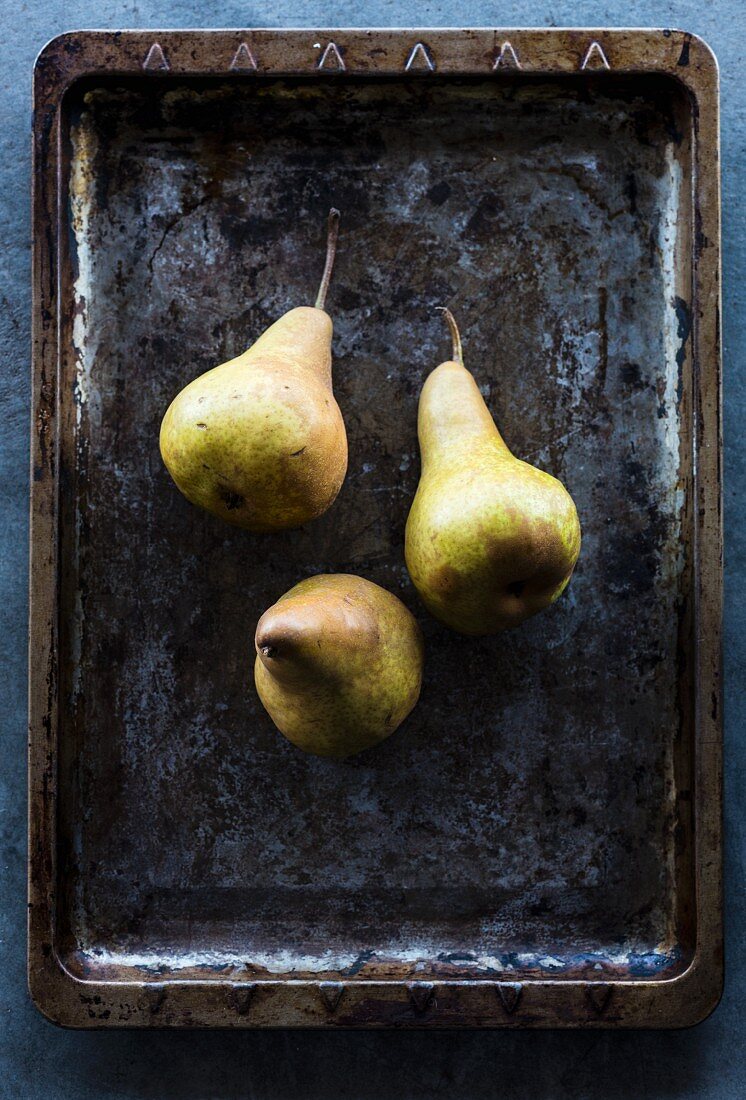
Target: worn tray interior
531	815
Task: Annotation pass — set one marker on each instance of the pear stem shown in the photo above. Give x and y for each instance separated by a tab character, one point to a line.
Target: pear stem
332	232
458	354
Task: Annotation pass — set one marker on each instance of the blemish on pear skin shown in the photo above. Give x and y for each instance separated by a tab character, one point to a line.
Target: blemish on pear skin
231	500
445	579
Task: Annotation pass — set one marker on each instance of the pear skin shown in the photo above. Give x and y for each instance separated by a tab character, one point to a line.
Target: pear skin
338	664
260	440
490	539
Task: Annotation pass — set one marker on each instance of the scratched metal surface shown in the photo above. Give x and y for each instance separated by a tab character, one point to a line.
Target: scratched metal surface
522	818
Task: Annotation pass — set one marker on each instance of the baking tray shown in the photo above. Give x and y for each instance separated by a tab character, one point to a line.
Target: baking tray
539	845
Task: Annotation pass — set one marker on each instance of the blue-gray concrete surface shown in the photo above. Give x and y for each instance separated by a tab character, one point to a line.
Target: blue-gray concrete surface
36	1059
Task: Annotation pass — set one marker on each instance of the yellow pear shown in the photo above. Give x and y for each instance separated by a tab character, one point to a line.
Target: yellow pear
338	664
490	539
260	440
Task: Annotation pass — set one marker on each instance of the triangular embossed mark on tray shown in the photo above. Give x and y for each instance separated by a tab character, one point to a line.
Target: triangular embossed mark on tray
420	59
155	995
509	994
243	60
331	994
595	58
507	58
598	995
421	994
332	59
155	60
240	997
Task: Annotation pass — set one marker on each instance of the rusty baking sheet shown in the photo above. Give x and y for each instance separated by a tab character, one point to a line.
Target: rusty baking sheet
539	845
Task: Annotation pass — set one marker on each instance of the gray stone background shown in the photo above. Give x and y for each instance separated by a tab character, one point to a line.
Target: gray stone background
38	1060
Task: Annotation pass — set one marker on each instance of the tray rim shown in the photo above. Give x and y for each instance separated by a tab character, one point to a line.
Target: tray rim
65	998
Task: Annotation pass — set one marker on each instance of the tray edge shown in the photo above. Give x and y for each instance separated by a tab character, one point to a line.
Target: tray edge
69	1001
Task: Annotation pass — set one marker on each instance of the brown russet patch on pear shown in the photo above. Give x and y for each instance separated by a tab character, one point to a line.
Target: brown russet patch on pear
445	578
537	556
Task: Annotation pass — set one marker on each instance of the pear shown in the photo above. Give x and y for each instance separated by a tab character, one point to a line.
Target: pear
338	664
490	540
260	440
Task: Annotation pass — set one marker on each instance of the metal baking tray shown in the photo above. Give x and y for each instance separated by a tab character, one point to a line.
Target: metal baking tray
539	845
